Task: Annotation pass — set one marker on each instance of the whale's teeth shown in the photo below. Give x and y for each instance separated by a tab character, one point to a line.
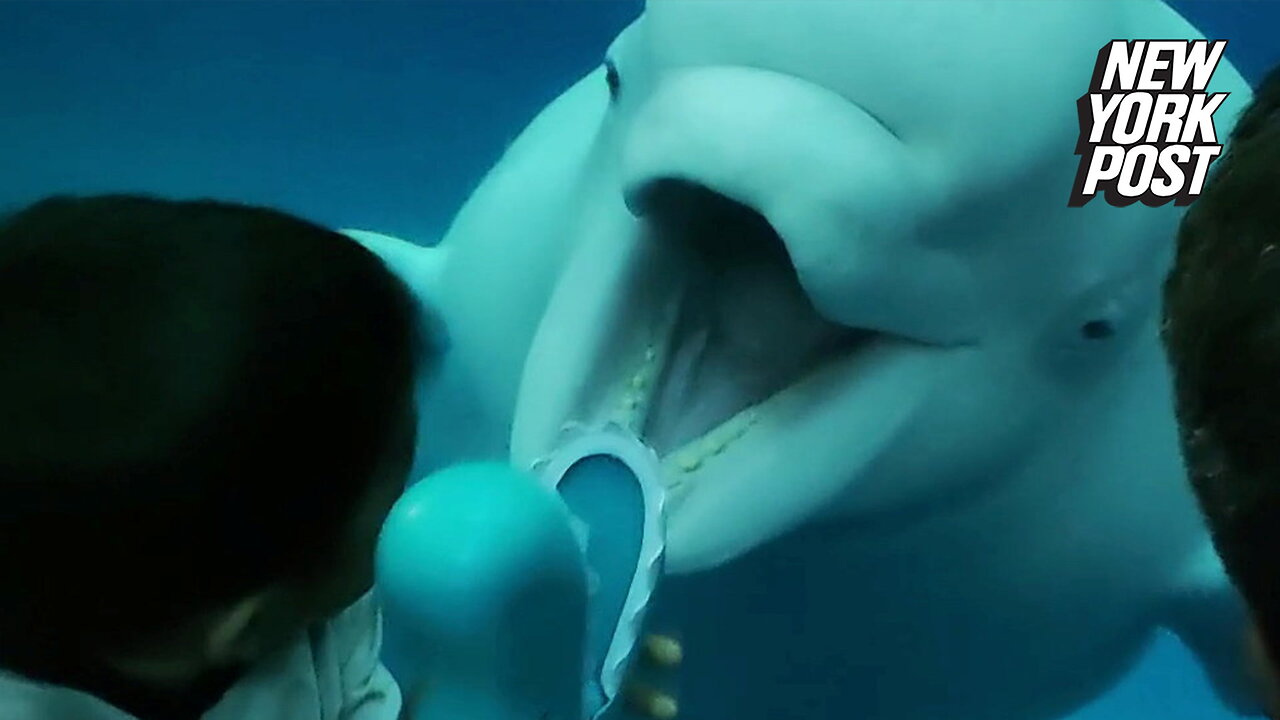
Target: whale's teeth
613	428
688	462
691	458
629	406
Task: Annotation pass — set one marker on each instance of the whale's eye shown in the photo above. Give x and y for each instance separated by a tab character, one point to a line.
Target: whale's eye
1098	329
612	78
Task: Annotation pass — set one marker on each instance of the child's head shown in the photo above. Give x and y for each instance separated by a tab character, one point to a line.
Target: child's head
205	413
1222	311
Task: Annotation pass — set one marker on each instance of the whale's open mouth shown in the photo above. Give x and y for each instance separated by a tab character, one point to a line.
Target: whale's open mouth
741	331
694	332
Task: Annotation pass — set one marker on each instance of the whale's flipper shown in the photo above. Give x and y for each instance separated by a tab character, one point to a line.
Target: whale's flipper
448	387
483	586
419	266
1209	616
610	482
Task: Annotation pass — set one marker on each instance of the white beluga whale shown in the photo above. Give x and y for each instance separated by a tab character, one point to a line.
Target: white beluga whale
912	409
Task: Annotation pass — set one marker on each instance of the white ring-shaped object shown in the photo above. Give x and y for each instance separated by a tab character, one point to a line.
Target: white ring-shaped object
578	443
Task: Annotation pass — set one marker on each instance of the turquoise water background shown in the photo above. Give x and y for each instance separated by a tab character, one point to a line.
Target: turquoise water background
372	114
380	115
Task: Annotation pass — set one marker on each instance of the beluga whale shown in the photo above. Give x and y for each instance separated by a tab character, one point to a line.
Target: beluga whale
913	417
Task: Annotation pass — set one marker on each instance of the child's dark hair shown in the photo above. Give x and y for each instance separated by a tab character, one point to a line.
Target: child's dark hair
1222	331
193	398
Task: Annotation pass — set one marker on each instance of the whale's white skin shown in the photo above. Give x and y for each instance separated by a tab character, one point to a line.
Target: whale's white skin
980	512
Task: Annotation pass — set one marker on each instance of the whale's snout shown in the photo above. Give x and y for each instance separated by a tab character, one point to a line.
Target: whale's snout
849	199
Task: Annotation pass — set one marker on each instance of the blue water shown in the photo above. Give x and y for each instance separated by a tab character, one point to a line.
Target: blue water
380	115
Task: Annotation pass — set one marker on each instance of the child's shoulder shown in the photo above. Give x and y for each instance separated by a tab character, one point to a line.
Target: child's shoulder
334	673
360	624
347	655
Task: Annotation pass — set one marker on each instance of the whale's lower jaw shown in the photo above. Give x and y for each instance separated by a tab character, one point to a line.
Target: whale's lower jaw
775	465
697	337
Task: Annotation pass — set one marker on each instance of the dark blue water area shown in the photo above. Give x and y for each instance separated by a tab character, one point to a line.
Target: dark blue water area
380	115
374	114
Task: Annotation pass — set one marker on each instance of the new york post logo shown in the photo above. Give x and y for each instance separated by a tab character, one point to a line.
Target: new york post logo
1146	124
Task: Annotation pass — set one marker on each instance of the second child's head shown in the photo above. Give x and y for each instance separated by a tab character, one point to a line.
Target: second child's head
206	411
1222	312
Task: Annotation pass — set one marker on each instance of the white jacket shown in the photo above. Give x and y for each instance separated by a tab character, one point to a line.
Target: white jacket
331	673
